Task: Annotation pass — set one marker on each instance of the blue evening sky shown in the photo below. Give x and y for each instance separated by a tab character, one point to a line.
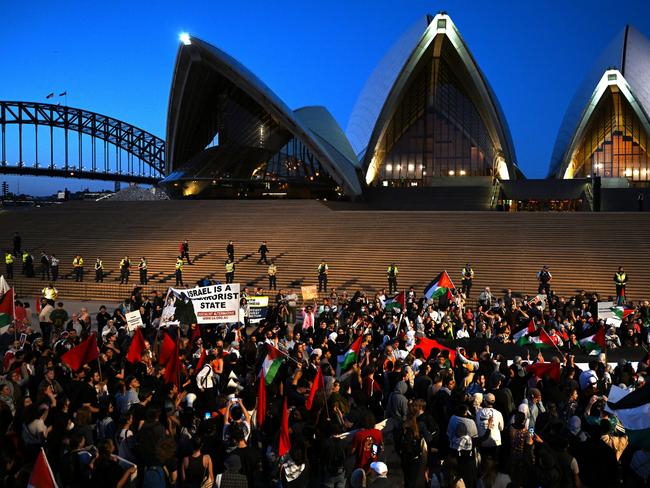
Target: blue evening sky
116	58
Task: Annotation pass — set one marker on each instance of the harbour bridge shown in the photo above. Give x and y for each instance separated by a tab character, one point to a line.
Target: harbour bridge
42	139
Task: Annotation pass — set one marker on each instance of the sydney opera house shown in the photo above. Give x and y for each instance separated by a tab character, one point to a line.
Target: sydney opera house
427	131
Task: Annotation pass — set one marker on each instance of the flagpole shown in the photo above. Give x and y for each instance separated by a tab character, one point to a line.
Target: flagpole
552	342
285	354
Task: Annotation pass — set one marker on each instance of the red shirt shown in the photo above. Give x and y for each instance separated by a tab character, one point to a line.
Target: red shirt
362	443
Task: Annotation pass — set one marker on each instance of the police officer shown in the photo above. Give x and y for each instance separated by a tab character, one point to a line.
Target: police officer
179	271
230	250
230	271
620	279
185	251
78	266
125	270
45	266
142	266
263	250
544	277
323	268
467	274
54	264
49	292
99	271
273	270
24	257
9	262
391	273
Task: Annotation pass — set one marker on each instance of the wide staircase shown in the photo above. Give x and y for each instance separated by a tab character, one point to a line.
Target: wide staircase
583	250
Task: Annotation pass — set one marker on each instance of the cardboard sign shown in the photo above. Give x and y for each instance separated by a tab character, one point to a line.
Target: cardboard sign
309	293
133	320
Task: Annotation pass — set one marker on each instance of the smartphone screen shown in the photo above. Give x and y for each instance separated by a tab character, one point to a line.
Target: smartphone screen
207	416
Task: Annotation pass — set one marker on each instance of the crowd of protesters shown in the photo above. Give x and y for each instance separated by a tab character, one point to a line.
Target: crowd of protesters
397	416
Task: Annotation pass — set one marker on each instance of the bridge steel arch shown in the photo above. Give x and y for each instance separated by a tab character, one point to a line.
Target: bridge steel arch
145	161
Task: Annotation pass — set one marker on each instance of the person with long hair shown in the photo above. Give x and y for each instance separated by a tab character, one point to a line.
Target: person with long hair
196	469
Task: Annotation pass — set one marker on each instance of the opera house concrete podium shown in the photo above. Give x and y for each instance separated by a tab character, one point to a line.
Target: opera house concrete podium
229	135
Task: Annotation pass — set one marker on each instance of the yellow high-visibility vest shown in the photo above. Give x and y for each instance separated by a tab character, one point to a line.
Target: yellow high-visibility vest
78	262
179	264
9	258
230	267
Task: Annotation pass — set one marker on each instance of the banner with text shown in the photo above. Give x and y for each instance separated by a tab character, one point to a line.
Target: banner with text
257	308
214	304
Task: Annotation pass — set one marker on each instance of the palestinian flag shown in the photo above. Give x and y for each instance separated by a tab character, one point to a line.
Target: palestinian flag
523	334
271	363
543	369
542	341
426	345
633	411
349	358
440	286
621	311
594	343
398	302
6	303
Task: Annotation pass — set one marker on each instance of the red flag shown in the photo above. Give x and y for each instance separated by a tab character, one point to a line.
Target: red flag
41	476
599	338
319	384
166	350
37	303
425	345
201	361
285	441
260	412
542	369
137	346
173	364
82	354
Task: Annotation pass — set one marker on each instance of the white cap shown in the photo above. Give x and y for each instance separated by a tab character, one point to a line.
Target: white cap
333	336
318	351
189	400
379	467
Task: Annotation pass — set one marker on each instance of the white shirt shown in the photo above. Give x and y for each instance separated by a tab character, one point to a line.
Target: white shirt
482	417
462	334
205	377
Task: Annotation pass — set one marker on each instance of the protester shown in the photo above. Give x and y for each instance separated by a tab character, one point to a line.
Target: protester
353	389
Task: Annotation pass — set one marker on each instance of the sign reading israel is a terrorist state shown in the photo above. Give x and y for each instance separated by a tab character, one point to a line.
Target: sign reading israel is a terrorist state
214	304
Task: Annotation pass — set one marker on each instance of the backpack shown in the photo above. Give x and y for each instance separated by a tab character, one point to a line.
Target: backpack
154	477
549	470
408	445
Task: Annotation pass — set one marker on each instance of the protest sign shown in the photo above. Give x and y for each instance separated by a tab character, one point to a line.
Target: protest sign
213	304
257	308
133	320
309	293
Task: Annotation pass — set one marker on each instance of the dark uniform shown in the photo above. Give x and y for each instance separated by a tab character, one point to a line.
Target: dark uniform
230	271
620	279
323	268
142	266
54	263
391	274
467	274
78	266
125	270
45	267
179	271
230	250
99	271
185	251
17	244
544	277
263	250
